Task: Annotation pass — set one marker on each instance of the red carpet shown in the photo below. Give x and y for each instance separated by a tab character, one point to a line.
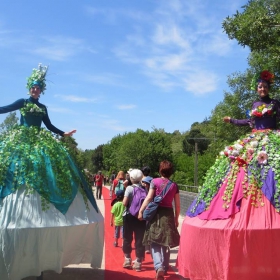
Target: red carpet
114	256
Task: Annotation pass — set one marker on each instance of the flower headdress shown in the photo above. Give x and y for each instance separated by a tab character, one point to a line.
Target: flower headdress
265	76
38	77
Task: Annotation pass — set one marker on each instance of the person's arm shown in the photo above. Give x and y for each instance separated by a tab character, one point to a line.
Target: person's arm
148	199
125	201
244	122
52	128
12	107
127	193
177	208
112	219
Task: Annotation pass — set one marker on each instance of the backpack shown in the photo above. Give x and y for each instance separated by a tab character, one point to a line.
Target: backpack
139	195
119	186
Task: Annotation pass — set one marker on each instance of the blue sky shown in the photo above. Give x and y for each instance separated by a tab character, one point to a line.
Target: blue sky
119	65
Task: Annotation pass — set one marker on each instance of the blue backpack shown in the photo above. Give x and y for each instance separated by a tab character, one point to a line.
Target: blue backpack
119	186
139	195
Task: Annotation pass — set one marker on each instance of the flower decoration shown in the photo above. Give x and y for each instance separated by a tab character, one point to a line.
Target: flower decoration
39	76
261	111
262	157
265	76
258	154
31	108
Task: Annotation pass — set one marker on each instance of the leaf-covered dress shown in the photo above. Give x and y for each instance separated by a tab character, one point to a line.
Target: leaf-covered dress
232	229
48	215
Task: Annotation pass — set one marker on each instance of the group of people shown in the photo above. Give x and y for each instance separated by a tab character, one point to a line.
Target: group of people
156	236
231	230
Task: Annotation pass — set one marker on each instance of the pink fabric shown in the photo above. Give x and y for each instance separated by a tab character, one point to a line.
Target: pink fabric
158	184
245	246
218	212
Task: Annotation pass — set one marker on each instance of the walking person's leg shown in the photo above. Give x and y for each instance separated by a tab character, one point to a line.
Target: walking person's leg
97	192
158	260
166	257
117	235
127	240
139	231
100	194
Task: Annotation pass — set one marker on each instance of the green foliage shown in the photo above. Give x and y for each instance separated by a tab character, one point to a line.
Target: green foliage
97	158
137	149
26	151
257	26
10	121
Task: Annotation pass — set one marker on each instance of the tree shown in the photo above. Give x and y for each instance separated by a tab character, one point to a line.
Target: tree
10	121
257	27
97	158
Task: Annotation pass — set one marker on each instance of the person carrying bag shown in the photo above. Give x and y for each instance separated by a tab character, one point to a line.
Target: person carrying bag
161	232
151	209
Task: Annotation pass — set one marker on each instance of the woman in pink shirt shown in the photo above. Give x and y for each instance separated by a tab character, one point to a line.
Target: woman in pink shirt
161	232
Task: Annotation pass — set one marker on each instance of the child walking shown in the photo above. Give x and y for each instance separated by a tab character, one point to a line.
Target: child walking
116	216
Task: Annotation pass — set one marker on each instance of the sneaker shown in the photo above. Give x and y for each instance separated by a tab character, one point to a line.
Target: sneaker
147	252
115	244
160	274
127	262
137	266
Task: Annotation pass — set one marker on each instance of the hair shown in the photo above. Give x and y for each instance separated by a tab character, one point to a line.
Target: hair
120	175
166	168
263	81
120	197
135	176
146	170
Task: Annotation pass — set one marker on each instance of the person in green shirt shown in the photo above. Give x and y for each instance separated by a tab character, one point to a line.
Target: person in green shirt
116	216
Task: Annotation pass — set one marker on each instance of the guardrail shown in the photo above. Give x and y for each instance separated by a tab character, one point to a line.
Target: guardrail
186	188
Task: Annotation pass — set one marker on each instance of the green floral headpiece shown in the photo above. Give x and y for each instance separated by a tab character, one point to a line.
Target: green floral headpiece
38	77
265	75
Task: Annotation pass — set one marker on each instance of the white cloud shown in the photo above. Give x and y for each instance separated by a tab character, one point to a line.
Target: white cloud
77	99
200	83
126	107
104	78
112	14
113	125
60	48
182	39
60	110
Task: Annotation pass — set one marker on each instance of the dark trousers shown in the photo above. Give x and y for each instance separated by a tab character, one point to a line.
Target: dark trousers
98	192
131	225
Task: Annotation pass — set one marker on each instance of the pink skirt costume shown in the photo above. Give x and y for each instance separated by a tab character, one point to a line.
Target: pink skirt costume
232	229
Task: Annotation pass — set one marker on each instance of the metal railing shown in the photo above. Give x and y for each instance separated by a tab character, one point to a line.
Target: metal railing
193	189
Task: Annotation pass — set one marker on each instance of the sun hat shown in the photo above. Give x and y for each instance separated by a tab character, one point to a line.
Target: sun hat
147	179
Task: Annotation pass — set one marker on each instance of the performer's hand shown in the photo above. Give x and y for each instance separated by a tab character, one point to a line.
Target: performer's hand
226	119
111	224
70	133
